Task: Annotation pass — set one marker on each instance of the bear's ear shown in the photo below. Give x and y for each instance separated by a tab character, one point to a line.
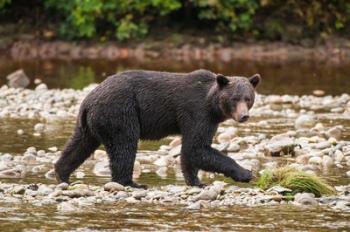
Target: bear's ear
221	80
255	80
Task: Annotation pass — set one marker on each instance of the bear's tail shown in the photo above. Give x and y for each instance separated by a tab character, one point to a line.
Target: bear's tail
78	148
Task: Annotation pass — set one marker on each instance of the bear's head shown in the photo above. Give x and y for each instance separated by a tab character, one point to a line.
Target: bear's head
236	95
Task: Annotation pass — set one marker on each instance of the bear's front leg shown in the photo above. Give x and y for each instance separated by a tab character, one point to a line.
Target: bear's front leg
190	172
210	159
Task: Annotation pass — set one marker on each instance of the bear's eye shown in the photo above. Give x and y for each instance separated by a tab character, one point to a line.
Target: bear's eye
235	99
247	100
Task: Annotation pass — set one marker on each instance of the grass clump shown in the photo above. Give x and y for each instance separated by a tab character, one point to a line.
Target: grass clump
297	181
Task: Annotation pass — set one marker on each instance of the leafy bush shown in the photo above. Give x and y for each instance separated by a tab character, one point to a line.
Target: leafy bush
289	20
125	19
229	15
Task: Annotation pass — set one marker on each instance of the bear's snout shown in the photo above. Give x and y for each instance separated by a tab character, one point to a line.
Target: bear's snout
241	114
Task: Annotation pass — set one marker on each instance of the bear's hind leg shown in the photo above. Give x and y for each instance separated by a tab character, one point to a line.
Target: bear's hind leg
79	147
120	139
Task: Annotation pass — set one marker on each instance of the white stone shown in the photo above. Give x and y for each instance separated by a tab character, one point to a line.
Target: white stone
338	156
39	127
315	160
113	187
304	121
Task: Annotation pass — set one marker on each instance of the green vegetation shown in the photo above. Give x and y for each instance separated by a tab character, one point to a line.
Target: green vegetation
289	20
297	181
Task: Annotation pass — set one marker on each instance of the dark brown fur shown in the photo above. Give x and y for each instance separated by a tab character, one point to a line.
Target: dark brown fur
151	105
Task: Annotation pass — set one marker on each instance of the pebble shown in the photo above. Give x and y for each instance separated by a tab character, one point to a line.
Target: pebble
50	174
208	194
304	122
20	132
305	199
315	160
66	207
338	156
39	127
79	175
175	142
194	205
113	187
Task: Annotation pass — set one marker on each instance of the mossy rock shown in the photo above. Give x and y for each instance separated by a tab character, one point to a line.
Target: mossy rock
297	181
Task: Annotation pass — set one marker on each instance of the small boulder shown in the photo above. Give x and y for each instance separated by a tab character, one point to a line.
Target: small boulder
304	122
305	199
113	187
18	79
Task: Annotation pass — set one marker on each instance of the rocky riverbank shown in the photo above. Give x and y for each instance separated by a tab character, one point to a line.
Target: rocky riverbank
317	141
77	196
332	52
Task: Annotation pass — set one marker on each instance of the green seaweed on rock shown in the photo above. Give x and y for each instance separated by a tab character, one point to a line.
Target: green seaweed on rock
297	181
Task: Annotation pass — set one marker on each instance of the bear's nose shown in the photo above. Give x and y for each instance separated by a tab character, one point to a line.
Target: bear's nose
244	118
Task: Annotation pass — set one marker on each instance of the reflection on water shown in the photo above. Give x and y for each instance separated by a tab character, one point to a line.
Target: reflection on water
16	217
294	78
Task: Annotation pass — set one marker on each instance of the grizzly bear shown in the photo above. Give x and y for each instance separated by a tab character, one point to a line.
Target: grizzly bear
151	105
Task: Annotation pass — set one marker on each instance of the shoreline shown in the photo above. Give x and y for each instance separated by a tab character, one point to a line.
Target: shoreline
274	52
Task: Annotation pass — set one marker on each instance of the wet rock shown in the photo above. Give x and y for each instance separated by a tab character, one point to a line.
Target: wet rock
279	189
102	168
318	92
165	161
175	142
327	161
280	146
348	173
194	206
334	132
208	194
62	186
53	149
137	169
175	151
113	187
233	147
6	157
100	155
17	172
33	187
121	195
66	207
41	87
162	171
44	190
227	135
29	158
338	156
18	190
18	79
304	122
37	81
343	205
322	145
305	199
50	174
139	194
39	127
79	175
315	160
75	193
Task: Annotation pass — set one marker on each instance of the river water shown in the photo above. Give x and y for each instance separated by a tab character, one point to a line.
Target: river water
297	78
